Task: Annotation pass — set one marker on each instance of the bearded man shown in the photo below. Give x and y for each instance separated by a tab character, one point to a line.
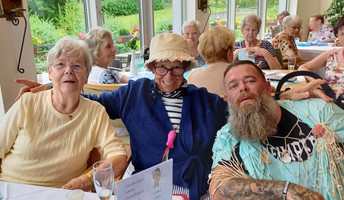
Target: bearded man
276	150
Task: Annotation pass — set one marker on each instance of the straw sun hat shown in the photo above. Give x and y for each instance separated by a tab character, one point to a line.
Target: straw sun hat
172	47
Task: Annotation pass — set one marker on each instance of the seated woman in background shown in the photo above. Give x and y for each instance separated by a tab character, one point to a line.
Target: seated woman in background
261	49
285	40
101	46
333	61
274	30
216	47
46	137
339	32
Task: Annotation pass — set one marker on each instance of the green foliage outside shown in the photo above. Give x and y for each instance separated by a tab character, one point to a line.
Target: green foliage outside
125	7
335	11
70	18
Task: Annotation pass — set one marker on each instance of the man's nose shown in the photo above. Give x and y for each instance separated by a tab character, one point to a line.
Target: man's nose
243	87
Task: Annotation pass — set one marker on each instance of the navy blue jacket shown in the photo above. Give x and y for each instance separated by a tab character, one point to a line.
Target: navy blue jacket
141	109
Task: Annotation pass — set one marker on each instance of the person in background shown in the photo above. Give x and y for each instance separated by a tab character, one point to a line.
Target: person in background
216	46
285	39
192	32
339	32
276	150
261	49
320	31
333	62
101	46
46	137
274	30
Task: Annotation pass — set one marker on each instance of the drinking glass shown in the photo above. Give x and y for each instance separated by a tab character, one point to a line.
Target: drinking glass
291	63
103	177
139	63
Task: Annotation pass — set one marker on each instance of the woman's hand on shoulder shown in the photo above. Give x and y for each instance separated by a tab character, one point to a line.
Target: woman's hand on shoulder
30	86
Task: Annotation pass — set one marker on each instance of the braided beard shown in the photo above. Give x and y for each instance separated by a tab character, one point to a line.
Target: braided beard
253	121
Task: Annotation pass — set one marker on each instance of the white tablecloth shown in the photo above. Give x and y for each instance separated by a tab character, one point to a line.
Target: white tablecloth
14	191
311	52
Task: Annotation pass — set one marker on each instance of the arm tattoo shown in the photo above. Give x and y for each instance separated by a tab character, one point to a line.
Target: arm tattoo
239	188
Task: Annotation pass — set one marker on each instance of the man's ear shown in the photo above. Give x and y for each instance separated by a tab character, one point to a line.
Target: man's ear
268	87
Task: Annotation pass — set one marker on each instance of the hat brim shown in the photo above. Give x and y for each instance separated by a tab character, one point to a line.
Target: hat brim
171	56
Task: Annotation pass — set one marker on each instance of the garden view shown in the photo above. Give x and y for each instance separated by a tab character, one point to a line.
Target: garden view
51	19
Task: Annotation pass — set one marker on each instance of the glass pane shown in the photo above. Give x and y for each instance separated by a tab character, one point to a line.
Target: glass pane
243	8
163	19
218	15
122	18
50	21
271	12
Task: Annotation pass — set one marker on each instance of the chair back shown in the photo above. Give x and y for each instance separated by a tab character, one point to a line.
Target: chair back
279	56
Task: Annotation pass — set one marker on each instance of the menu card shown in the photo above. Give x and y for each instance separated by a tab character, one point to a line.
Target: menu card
152	183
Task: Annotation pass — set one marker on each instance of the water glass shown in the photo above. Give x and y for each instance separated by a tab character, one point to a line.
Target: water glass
103	177
75	195
139	63
291	63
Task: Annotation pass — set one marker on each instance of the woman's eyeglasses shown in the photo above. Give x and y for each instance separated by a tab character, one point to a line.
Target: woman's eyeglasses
176	71
62	66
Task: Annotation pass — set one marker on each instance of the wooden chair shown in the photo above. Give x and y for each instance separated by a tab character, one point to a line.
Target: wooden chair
98	87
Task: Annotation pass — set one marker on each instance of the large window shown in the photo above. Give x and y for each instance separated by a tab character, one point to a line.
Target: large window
241	8
50	21
162	16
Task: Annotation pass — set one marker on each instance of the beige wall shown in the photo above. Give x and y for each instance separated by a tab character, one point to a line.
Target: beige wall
10	42
192	12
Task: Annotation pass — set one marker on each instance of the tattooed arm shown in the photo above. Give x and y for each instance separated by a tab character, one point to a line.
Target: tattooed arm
224	186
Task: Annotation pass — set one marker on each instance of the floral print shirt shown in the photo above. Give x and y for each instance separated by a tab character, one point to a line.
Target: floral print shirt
325	33
334	73
286	44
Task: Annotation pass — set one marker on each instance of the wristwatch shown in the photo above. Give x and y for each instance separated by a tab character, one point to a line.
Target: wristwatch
90	177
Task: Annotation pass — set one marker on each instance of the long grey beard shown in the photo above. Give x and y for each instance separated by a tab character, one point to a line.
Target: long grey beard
256	121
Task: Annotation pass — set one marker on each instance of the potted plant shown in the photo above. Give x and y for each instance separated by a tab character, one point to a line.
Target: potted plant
36	42
124	35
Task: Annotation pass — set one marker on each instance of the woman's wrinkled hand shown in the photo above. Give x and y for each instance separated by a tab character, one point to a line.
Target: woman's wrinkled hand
30	86
310	90
82	182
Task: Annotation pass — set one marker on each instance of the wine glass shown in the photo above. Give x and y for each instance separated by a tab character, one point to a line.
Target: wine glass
103	177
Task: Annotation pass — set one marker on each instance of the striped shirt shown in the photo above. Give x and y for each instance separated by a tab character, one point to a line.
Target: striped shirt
173	103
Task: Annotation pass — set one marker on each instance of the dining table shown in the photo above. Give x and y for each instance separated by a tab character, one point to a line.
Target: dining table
16	191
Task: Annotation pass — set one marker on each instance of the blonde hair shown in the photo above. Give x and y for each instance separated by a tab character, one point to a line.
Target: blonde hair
215	43
95	39
73	47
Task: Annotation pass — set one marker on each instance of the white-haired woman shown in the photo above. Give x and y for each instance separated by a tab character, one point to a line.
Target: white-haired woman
46	137
101	46
285	40
192	32
264	54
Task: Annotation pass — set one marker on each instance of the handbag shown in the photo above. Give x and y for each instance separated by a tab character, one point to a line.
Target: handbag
325	87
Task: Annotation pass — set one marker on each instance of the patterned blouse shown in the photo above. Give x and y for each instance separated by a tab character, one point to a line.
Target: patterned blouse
286	44
334	73
325	33
263	44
